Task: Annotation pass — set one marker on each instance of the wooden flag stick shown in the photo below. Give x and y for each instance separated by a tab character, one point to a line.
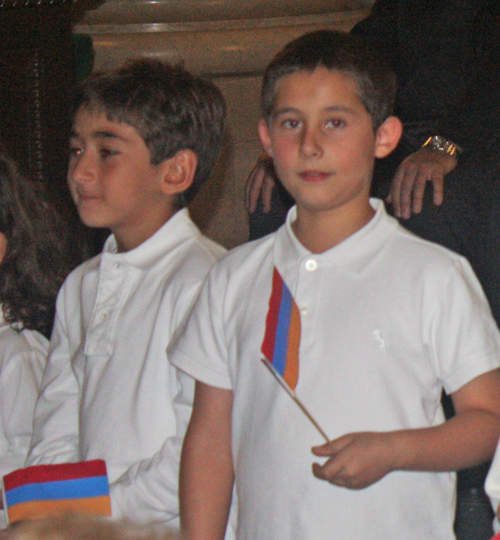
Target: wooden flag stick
292	394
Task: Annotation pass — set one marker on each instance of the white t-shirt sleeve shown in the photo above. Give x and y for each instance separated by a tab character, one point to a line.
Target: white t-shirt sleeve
200	349
55	427
148	491
20	378
459	328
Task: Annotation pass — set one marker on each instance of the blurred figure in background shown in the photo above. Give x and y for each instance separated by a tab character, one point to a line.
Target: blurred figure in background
33	265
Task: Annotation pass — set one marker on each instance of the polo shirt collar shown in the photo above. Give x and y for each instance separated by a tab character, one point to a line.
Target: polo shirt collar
353	254
172	234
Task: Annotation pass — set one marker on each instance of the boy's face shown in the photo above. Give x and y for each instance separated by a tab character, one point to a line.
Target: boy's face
112	180
321	139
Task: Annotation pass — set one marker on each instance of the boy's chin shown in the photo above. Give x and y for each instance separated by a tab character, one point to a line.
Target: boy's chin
92	221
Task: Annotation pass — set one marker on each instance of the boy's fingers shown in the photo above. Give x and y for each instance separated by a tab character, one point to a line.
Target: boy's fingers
418	192
410	180
401	191
332	473
327	473
438	186
408	187
318	471
332	448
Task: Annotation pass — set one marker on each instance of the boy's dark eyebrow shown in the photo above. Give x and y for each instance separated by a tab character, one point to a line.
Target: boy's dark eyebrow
333	108
100	135
107	135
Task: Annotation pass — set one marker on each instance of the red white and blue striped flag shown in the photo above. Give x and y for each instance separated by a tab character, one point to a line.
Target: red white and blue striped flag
43	490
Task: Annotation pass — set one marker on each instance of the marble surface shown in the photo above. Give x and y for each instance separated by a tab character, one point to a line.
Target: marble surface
217	50
120	12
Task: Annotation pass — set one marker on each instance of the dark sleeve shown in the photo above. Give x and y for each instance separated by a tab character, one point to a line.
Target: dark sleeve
379	29
474	121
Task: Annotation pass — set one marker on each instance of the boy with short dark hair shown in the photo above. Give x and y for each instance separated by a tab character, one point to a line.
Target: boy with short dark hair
145	137
379	320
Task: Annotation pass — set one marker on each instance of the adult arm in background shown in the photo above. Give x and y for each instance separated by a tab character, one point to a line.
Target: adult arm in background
149	489
473	124
207	474
409	183
459	86
55	436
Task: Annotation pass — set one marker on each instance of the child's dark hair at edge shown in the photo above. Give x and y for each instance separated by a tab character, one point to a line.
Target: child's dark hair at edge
335	51
37	257
171	109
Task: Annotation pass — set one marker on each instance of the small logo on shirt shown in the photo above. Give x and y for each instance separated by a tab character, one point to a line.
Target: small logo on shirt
377	336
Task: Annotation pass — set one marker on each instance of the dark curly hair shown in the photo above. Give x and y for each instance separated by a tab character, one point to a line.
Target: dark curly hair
36	260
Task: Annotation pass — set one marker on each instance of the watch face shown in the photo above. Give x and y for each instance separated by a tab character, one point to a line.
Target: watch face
438	142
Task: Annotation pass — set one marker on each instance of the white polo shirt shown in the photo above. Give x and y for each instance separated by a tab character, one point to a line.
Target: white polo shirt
108	391
492	486
388	320
22	359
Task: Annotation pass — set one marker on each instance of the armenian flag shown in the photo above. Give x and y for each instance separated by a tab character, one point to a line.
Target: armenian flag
282	338
43	490
280	347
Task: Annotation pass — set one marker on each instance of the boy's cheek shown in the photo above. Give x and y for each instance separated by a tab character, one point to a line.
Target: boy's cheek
282	154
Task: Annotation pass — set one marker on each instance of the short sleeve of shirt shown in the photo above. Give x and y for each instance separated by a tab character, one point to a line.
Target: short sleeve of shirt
200	349
462	333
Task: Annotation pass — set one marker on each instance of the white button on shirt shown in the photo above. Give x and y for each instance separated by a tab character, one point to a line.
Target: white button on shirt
311	265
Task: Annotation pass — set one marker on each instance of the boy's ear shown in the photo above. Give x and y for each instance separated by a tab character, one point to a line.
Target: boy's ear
265	139
387	136
178	172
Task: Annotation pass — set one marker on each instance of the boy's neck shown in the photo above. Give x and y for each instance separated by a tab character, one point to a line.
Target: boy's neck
320	231
129	239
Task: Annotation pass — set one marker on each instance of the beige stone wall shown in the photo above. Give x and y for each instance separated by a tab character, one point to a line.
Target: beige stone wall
231	41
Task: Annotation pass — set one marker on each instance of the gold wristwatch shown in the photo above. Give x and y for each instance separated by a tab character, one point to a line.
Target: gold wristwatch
440	144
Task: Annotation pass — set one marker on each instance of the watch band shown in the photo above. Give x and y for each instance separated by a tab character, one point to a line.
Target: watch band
440	144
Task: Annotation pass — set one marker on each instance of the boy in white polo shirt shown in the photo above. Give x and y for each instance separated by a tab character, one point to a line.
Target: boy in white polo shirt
387	320
145	137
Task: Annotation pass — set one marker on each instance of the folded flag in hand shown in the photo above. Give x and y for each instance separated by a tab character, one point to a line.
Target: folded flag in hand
43	490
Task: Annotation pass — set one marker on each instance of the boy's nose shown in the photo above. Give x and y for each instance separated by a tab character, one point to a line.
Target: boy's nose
81	168
310	144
